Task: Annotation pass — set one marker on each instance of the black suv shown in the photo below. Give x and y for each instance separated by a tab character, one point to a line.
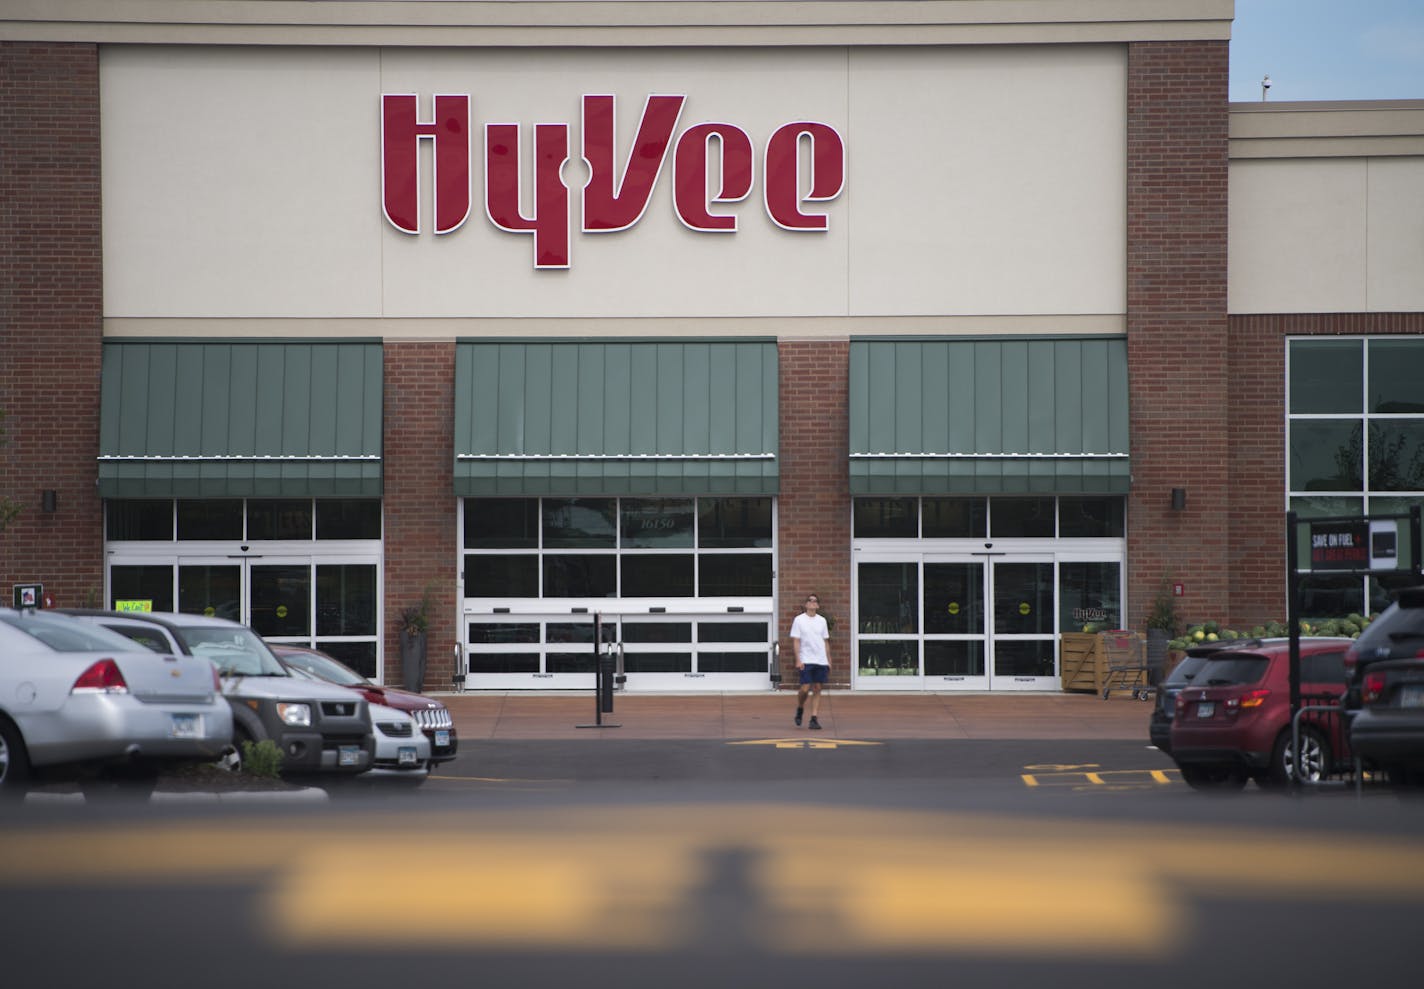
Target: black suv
1180	677
1387	690
320	728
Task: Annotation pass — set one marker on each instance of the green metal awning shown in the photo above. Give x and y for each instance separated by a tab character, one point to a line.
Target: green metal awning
616	418
989	416
240	419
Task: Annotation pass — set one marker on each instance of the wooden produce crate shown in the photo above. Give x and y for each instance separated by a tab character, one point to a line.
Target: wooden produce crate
1085	660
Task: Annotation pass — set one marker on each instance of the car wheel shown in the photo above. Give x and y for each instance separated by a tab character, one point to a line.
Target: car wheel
14	762
1314	757
1218	778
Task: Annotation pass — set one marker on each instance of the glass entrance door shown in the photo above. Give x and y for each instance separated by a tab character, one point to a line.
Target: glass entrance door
961	622
1024	646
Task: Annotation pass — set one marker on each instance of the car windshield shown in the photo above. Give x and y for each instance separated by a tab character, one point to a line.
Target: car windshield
68	635
1231	671
324	668
1396	624
1186	670
235	650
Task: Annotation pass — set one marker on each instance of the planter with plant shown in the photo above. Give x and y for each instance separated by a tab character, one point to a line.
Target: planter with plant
414	624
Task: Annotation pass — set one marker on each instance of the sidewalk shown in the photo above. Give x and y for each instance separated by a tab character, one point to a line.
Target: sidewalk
508	716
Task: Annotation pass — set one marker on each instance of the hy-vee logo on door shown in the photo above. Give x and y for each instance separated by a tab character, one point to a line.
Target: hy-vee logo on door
791	179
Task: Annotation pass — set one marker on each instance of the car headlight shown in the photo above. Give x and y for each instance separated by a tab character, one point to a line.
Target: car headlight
296	715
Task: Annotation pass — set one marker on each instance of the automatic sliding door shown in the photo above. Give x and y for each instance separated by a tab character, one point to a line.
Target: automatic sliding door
1025	643
955	622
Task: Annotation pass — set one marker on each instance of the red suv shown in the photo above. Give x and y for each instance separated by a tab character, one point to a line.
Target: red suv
1233	722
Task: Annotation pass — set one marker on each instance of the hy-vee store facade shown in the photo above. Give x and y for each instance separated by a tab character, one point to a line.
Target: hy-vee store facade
981	325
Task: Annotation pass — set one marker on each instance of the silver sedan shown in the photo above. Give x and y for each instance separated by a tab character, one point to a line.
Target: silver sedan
75	694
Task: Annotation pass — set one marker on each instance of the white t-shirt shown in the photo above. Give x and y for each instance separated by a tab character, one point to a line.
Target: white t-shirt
813	633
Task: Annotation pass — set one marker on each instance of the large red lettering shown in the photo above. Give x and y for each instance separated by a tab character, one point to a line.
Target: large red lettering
401	134
689	175
783	181
504	179
610	204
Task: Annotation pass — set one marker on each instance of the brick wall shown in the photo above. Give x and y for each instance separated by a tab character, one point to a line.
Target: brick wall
1256	437
420	535
51	315
814	506
1176	324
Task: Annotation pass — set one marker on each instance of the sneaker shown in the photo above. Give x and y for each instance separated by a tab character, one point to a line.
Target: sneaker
816	725
798	717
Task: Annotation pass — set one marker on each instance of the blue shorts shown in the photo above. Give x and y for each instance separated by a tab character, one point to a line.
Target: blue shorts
815	673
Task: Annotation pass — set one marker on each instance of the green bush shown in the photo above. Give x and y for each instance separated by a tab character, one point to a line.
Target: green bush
262	758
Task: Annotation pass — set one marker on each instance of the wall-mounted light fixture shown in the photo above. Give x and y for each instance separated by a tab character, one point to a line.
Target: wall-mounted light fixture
1179	499
49	500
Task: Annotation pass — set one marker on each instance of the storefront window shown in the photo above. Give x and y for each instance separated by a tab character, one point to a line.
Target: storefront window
218	518
279	519
733	523
656	523
734	575
501	523
1396	369
954	598
501	576
348	518
954	659
569	575
1325	455
1021	518
1396	454
1325	376
138	520
345	599
1092	518
580	523
955	518
886	518
664	575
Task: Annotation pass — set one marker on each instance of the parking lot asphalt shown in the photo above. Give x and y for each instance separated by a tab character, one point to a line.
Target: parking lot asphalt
910	715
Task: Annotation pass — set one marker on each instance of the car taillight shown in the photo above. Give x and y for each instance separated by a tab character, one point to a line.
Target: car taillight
1181	703
1374	687
104	677
1255	698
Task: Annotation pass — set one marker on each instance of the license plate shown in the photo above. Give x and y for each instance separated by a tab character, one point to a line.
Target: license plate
185	726
442	738
348	755
1411	695
406	755
1206	709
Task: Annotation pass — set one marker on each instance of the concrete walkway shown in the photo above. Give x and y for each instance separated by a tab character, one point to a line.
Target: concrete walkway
514	715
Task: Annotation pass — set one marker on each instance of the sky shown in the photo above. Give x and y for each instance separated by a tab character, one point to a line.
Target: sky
1328	49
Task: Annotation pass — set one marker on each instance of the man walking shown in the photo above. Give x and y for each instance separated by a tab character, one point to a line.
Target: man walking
809	635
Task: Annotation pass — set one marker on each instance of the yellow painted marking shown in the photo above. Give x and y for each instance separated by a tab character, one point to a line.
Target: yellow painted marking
947	883
805	743
1056	767
1102	777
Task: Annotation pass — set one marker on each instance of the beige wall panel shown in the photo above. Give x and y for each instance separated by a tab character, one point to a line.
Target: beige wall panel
1396	234
239	182
988	180
1297	236
981	182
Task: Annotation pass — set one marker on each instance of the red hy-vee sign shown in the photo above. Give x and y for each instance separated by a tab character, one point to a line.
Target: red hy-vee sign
609	203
